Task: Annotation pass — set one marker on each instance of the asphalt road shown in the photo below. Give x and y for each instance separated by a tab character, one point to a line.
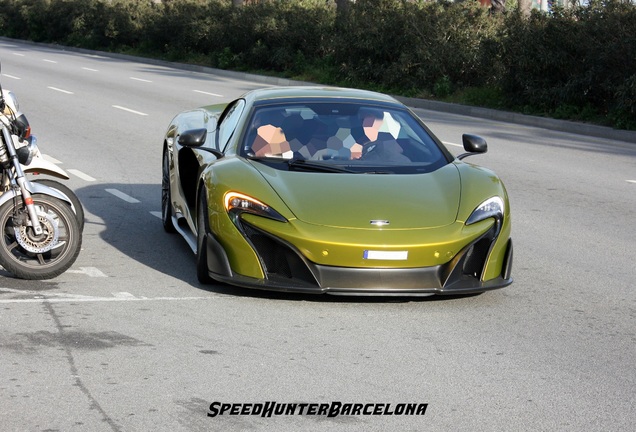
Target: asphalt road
127	339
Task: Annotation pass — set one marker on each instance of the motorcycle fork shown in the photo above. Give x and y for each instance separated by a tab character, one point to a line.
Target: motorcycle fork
21	181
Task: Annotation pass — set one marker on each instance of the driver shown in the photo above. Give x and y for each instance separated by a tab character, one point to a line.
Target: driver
380	146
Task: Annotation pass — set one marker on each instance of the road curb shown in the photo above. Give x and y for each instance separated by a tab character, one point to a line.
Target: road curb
524	119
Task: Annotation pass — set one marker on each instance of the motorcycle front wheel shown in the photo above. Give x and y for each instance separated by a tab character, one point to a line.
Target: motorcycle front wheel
79	210
44	256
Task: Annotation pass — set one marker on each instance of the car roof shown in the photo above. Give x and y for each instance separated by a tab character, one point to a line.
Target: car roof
304	92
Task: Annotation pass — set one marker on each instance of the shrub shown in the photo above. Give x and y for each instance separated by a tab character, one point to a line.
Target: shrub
406	45
573	63
577	57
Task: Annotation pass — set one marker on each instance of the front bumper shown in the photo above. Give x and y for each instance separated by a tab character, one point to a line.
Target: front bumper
286	269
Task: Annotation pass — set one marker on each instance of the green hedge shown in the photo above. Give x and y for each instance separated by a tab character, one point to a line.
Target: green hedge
575	63
415	46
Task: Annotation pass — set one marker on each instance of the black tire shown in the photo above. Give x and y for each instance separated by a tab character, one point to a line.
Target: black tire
49	256
79	209
203	274
166	199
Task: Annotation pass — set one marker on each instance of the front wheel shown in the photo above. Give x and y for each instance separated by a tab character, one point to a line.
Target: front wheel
43	256
79	210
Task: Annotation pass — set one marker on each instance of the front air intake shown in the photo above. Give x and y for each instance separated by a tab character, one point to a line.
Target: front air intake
280	261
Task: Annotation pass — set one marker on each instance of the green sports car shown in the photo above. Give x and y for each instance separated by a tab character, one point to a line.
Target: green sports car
329	190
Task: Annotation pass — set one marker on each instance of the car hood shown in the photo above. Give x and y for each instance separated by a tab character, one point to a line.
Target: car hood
355	200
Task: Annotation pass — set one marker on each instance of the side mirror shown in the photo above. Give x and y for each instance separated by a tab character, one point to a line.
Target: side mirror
473	144
193	137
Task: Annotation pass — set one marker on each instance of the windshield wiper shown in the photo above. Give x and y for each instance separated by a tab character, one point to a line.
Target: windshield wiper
305	165
264	158
378	172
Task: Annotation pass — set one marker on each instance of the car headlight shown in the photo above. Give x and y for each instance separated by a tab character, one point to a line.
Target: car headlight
237	203
491	208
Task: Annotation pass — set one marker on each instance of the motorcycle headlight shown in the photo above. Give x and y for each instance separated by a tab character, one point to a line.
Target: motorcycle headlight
237	203
28	151
22	126
491	208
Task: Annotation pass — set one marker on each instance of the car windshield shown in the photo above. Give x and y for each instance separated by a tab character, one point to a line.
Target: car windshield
350	137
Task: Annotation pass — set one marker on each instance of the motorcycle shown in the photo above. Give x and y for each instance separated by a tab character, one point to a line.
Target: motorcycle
40	229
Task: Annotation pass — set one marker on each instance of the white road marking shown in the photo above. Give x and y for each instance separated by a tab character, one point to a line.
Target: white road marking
123	196
129	110
156	214
18	54
631	181
89	271
51	159
90	69
140	79
48	297
81	175
60	90
452	144
49	61
123	295
207	93
12	77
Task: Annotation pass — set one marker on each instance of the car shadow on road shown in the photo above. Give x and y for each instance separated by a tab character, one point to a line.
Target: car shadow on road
135	229
125	216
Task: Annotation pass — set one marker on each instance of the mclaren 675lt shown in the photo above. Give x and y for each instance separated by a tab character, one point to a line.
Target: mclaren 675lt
331	190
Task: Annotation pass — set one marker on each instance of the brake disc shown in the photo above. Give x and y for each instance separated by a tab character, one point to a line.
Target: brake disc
41	243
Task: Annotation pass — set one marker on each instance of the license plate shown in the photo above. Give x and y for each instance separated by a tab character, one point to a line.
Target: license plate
385	255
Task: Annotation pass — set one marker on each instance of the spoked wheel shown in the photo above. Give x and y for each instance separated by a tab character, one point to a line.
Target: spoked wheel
202	248
79	210
38	256
166	200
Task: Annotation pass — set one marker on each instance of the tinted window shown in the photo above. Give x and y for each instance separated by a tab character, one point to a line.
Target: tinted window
347	134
